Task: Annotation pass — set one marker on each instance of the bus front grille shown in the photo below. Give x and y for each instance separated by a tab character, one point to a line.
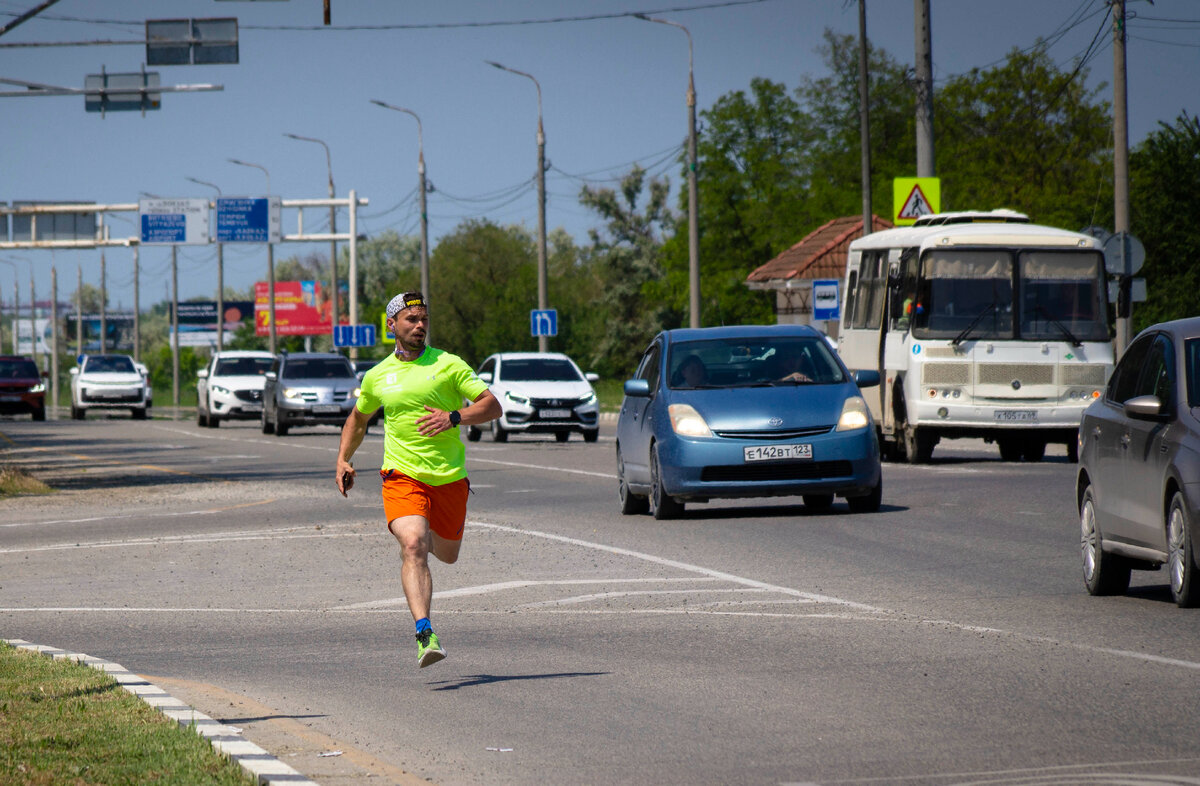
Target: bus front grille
946	373
1082	374
1005	373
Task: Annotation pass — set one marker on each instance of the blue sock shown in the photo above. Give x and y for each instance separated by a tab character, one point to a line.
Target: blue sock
423	625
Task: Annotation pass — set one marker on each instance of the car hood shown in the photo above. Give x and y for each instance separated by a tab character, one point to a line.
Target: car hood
112	377
20	382
236	382
755	408
577	389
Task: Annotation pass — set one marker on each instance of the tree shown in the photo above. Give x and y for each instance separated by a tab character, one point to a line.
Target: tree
625	264
1024	135
1164	191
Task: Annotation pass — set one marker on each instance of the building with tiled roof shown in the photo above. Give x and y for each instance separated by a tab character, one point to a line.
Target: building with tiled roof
820	256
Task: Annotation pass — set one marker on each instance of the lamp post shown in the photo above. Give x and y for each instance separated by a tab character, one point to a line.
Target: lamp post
271	343
421	187
16	303
220	274
333	276
541	186
693	197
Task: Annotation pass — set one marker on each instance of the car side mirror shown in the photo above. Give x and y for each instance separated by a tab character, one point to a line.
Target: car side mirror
486	376
45	374
202	373
271	375
592	376
75	371
1144	408
866	378
637	388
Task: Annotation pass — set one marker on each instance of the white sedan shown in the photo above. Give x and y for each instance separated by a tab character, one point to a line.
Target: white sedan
230	387
109	382
542	393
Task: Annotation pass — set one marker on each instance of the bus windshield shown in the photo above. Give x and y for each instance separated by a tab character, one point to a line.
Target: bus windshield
969	294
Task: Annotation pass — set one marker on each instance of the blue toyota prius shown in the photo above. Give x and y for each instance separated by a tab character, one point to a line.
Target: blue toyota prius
746	411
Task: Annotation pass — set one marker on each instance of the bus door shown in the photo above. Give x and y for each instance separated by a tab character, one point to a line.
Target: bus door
894	344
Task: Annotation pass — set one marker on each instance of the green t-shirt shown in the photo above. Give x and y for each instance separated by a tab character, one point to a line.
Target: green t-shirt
403	388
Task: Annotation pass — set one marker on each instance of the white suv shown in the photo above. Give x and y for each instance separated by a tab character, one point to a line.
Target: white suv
541	393
230	387
109	382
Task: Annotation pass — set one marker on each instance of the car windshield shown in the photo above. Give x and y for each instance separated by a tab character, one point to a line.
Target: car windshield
317	368
18	369
539	370
109	364
1191	355
243	367
741	362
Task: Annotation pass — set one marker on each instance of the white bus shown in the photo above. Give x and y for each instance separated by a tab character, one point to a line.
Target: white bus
981	324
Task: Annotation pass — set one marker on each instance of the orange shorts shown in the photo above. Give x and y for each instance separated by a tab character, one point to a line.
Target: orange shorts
444	507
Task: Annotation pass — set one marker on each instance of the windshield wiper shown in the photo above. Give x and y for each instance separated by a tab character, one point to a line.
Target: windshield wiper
1074	341
978	318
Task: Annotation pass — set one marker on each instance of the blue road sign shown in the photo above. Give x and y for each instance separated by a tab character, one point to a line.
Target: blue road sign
354	336
543	322
248	220
825	299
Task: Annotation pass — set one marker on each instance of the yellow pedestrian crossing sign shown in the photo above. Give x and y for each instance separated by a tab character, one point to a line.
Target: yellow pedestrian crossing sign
913	197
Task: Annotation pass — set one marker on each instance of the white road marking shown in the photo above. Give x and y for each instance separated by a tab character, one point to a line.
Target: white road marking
487	589
629	593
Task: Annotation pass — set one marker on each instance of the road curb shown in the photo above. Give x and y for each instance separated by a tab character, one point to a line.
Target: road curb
226	740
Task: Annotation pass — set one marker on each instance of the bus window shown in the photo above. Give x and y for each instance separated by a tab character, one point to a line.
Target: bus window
871	283
904	299
851	299
1062	292
961	289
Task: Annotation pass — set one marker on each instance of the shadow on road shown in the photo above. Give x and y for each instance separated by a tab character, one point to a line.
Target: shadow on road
475	680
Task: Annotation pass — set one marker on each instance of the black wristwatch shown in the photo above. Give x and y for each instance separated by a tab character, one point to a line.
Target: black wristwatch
455	417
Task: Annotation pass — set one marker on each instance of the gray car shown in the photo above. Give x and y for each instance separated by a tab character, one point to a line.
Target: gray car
308	389
1138	487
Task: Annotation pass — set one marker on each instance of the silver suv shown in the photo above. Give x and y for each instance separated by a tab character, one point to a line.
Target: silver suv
308	389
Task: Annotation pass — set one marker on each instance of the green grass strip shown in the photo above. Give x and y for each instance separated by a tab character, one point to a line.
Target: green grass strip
63	722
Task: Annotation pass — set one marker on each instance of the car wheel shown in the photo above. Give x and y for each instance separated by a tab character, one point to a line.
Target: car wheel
818	502
1010	448
473	434
498	432
76	413
562	436
870	503
918	444
591	435
40	413
267	426
1182	565
662	505
1034	450
281	428
631	504
1104	574
139	413
213	421
201	420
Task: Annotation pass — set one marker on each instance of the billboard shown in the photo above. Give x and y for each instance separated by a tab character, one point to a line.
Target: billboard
198	321
44	337
118	326
302	308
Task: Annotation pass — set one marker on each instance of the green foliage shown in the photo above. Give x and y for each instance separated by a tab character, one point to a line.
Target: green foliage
1164	190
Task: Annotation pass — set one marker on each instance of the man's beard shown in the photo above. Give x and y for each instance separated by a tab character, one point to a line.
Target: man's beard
411	346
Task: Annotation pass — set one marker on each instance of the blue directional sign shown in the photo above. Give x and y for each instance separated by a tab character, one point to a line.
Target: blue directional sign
543	322
173	221
354	336
825	299
248	220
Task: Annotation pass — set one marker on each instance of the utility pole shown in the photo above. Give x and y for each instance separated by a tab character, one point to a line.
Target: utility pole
54	340
864	116
137	325
79	311
1121	171
103	307
175	329
924	75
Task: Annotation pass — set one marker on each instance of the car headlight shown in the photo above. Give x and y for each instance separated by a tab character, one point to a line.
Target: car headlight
221	389
854	415
590	398
38	388
687	421
356	393
514	398
291	393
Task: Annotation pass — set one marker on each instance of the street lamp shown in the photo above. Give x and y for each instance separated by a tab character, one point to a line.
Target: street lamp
17	306
333	276
693	199
220	274
16	302
271	344
421	187
541	186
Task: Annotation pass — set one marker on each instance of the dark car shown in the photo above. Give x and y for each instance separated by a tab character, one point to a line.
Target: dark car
308	389
1138	486
22	387
749	411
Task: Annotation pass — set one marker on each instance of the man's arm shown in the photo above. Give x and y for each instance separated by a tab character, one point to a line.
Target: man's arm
353	431
483	409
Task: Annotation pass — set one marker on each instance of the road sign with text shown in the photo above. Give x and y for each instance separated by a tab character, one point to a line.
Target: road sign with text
248	220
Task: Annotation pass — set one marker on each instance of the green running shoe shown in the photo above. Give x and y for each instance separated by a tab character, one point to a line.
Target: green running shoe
429	650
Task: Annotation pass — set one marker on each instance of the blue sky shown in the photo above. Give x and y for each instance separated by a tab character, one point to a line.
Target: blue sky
613	94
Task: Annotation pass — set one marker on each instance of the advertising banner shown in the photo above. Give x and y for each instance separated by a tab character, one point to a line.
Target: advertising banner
302	308
117	324
198	321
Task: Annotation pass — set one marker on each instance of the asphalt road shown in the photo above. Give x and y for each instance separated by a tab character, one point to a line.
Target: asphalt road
947	639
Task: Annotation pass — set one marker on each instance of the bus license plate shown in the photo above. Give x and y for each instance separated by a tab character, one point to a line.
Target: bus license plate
1016	416
776	452
554	414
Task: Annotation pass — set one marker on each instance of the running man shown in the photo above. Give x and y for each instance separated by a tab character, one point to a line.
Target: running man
421	390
